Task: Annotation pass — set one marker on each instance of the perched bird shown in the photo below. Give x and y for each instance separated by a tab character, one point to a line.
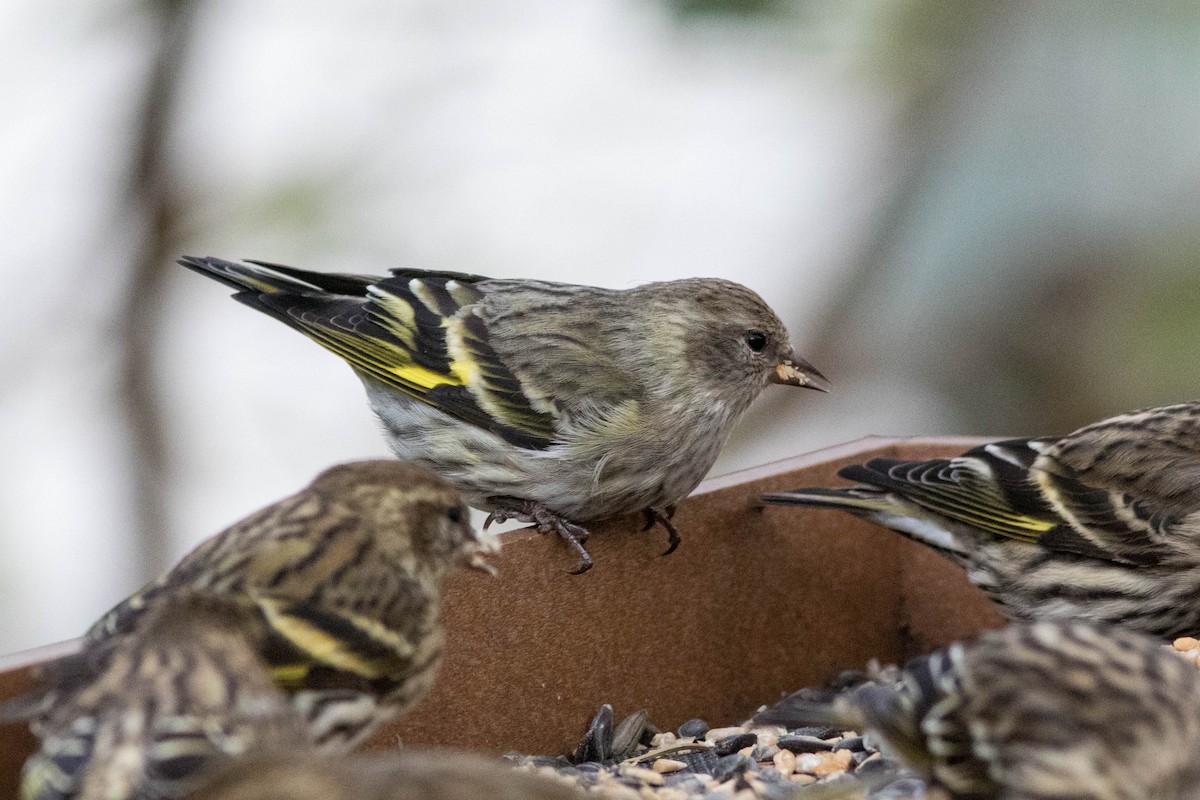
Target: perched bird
345	579
410	775
1037	711
548	403
1102	524
143	715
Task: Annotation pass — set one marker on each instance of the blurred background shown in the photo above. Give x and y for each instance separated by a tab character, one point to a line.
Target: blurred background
976	217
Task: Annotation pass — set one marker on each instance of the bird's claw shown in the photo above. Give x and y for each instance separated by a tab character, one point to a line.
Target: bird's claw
656	516
546	521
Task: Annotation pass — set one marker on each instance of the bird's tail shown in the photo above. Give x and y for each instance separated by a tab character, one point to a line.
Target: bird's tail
856	501
885	508
259	278
798	711
68	671
24	707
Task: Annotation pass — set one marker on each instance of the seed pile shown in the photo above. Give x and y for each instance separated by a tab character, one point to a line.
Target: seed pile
635	761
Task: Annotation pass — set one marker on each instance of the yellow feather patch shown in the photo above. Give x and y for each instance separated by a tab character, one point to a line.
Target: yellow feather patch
252	282
328	650
289	675
986	512
463	365
1028	523
400	319
390	364
478	374
1016	524
422	377
1012	527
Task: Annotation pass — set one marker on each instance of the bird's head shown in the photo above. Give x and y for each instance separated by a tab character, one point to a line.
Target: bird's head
732	342
417	516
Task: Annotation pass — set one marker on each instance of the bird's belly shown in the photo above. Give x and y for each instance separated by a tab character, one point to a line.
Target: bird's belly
582	483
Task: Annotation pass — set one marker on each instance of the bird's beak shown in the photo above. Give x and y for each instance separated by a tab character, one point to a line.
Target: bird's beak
476	560
475	554
795	371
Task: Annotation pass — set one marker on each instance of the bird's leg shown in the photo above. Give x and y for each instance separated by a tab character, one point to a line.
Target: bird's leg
532	512
662	516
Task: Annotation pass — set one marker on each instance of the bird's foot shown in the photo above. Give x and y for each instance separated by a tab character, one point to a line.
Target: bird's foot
532	512
662	516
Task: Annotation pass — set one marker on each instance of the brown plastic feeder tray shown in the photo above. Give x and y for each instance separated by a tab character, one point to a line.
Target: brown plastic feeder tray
755	603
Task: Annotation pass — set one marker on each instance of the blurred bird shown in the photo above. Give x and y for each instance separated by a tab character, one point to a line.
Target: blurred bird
142	716
1037	711
395	776
547	403
345	579
1103	524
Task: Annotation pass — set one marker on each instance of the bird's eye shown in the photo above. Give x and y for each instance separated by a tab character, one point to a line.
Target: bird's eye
756	341
454	513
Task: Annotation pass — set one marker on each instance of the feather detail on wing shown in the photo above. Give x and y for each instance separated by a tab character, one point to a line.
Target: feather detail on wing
987	488
141	714
298	637
1152	455
416	332
338	640
1015	490
1125	528
1130	483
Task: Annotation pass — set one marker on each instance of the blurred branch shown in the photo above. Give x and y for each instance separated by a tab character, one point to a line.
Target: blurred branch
153	201
933	51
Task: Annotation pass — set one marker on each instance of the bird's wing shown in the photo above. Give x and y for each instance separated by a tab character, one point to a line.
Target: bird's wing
154	707
1126	482
417	332
1152	454
987	488
1024	490
122	618
306	637
298	637
577	349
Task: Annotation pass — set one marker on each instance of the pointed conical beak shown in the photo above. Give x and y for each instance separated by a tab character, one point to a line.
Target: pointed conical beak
478	561
796	371
480	544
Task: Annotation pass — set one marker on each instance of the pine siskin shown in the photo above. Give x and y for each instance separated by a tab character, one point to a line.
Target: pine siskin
397	776
1037	711
1103	524
142	715
345	577
548	403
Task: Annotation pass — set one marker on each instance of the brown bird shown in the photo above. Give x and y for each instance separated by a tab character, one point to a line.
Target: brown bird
141	715
396	776
1038	711
345	578
548	403
1102	524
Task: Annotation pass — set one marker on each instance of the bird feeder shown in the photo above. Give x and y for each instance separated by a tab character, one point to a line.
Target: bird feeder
756	602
